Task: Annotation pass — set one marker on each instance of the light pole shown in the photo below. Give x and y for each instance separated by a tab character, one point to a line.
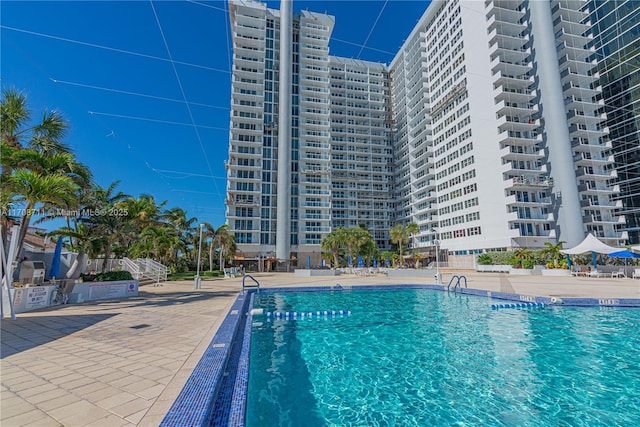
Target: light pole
437	243
197	281
438	278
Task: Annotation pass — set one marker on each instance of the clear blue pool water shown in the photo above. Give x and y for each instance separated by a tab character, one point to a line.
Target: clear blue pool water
416	357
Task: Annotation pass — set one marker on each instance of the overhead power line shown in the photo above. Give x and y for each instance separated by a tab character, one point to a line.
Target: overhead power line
113	49
125	92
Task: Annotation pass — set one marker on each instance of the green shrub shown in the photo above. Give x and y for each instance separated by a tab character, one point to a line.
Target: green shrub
112	276
485	259
528	263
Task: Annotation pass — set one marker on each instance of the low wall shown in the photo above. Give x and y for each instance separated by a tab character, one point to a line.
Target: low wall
91	291
304	272
409	272
493	268
35	297
27	299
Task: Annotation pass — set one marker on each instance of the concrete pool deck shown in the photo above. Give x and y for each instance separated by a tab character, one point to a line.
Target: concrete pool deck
123	362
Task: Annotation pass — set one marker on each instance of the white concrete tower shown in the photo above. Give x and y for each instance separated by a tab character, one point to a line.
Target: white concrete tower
283	219
558	140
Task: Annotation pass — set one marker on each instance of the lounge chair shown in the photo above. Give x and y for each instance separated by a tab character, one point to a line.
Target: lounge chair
636	273
619	273
582	272
596	273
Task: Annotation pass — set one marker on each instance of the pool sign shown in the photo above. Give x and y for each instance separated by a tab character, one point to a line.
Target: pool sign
36	297
106	290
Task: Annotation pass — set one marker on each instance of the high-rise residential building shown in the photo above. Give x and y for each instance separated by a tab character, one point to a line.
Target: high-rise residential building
616	38
487	130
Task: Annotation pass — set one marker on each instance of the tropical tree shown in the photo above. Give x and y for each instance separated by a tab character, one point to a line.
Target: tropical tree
184	228
105	217
388	255
208	234
399	236
141	212
523	257
552	250
354	239
35	190
226	242
332	242
412	230
17	131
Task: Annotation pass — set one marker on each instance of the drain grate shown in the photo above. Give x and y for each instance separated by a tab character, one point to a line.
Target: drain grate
144	325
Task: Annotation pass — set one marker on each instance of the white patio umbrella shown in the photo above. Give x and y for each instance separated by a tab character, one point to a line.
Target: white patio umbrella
590	244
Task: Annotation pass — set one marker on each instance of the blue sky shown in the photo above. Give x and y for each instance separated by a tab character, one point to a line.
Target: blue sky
120	72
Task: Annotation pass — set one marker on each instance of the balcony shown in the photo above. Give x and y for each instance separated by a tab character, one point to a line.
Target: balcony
510	28
592	159
519	138
503	92
520	153
517	123
529	182
580	130
587	118
591	145
573	89
598	189
510	108
530	201
597	175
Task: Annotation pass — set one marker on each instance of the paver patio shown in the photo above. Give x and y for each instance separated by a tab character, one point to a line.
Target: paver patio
123	362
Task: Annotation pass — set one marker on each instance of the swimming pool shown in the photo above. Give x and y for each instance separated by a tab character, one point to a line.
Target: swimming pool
424	357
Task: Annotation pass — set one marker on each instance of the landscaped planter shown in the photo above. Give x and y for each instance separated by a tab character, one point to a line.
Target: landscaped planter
521	271
91	291
556	272
493	268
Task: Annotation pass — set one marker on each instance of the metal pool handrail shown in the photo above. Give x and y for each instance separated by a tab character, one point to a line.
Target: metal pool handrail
457	285
257	284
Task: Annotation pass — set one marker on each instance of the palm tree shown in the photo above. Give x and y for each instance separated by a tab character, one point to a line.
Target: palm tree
45	136
387	255
399	236
17	132
352	238
36	190
184	228
226	241
108	224
553	250
413	229
141	213
208	232
522	254
331	243
365	245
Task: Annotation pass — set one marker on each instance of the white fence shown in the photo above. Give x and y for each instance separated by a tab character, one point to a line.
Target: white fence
140	268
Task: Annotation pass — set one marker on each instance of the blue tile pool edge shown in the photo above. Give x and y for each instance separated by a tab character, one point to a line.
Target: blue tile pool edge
192	408
194	404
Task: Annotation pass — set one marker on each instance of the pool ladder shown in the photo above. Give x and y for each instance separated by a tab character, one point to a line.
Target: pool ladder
255	283
457	285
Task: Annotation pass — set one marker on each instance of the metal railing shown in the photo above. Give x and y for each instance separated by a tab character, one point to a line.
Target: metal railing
255	284
457	284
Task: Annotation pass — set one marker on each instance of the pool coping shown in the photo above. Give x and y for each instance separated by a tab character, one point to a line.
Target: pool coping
195	405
